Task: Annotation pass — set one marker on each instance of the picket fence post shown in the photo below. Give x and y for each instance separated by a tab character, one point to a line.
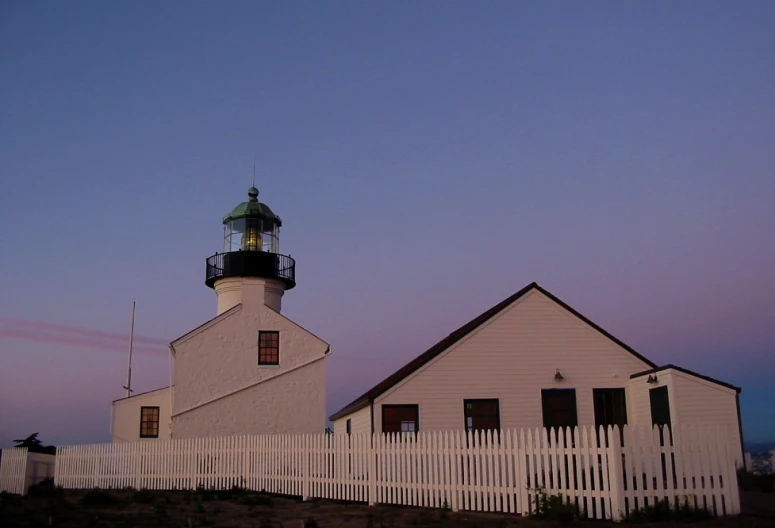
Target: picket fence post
615	472
305	491
372	493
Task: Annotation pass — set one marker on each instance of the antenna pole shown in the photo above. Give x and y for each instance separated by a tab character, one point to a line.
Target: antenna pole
128	386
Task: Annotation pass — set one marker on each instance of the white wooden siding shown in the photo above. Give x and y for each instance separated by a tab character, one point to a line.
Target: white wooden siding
361	422
692	401
512	357
481	472
697	401
640	400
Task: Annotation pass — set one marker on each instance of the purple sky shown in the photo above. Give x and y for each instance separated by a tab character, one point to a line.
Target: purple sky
428	159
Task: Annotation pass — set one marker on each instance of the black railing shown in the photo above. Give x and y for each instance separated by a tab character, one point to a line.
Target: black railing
251	264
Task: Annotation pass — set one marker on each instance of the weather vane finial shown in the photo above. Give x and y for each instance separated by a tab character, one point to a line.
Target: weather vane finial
254	169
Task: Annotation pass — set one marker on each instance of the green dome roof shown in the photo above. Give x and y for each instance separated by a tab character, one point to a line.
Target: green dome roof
252	209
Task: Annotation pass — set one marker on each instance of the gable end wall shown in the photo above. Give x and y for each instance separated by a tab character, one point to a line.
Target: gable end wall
512	357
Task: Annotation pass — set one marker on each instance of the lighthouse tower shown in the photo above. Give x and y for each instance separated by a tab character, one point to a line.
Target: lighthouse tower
251	265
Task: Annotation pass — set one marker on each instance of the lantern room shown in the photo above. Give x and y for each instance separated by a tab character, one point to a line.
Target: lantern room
251	226
251	246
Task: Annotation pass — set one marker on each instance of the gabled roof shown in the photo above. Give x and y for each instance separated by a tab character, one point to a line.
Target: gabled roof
688	373
207	323
437	349
141	394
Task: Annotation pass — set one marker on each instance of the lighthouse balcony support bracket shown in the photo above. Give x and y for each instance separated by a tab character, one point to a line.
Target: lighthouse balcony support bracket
251	264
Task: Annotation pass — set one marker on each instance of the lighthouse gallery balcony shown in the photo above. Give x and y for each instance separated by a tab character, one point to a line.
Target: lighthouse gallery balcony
261	264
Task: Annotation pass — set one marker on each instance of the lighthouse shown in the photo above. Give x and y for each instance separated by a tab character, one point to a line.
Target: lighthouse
251	264
248	370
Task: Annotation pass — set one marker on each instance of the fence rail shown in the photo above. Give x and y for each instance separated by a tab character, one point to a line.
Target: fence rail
606	473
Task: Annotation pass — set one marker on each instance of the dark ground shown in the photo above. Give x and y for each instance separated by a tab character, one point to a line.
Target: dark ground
130	509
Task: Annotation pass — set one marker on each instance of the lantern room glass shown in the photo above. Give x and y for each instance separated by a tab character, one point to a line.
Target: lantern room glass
251	234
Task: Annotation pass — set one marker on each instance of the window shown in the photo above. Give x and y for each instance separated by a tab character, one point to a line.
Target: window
482	415
149	422
610	407
559	407
400	418
660	406
268	348
349	426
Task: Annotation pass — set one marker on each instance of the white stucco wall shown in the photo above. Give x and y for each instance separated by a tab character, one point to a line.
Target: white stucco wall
221	389
512	357
126	415
231	291
289	404
361	422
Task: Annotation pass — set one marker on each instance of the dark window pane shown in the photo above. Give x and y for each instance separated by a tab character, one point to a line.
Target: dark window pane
149	422
268	348
400	418
660	406
559	407
481	415
610	407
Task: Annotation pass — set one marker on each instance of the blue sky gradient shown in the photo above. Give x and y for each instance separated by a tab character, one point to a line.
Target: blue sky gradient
428	159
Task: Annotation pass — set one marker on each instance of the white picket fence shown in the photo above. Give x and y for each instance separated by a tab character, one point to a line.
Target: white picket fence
605	473
13	470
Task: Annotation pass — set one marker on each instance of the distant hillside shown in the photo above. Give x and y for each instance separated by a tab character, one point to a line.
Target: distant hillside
759	447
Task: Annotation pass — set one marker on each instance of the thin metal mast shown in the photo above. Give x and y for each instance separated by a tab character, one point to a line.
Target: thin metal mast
128	386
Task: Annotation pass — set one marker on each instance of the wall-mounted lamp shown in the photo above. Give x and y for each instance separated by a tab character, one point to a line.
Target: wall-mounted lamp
558	376
652	379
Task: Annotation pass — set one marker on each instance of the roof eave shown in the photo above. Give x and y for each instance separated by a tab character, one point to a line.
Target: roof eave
355	406
688	372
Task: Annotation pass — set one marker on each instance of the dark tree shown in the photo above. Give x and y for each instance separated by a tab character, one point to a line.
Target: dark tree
34	445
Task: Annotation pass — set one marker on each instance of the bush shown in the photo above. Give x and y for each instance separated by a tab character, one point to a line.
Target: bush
9	498
745	479
659	512
555	508
662	512
204	494
232	493
748	481
45	489
765	483
97	497
143	496
254	499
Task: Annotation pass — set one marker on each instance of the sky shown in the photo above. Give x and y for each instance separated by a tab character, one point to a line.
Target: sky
428	159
